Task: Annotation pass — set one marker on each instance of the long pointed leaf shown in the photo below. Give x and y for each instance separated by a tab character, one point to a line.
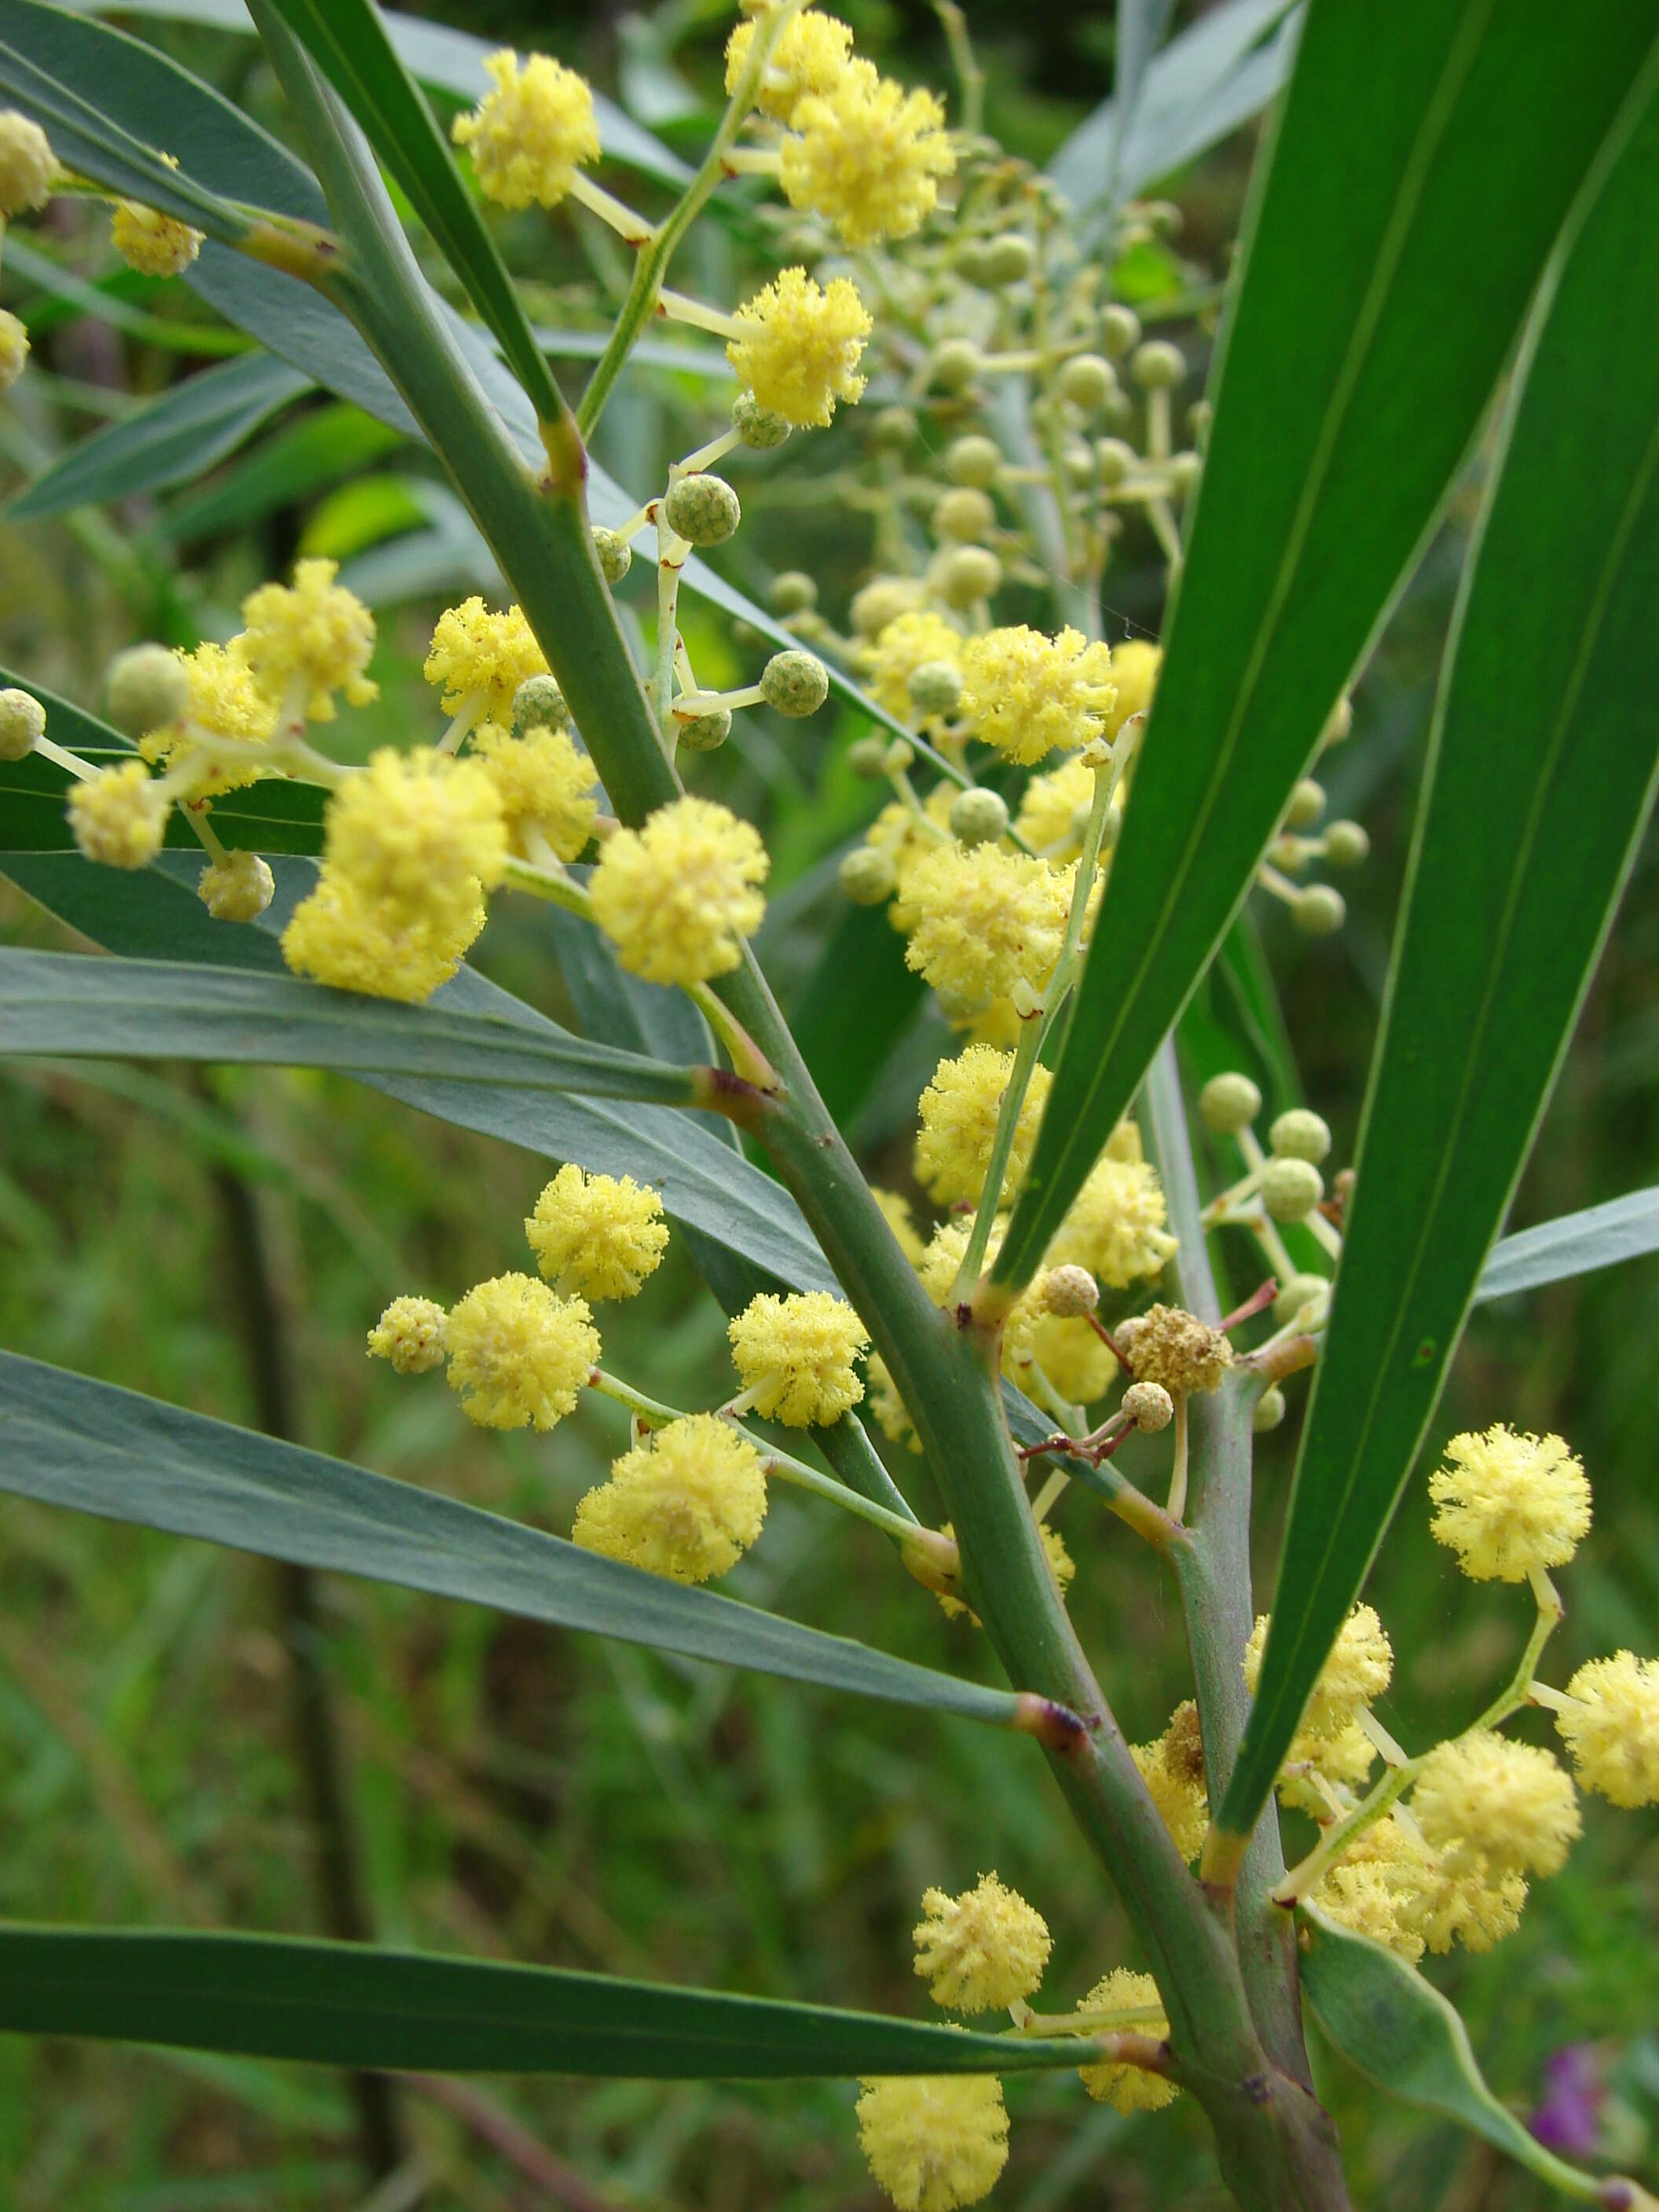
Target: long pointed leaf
1377	304
1572	1244
1543	763
93	1448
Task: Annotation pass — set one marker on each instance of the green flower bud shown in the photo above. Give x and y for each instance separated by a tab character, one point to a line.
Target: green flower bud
1269	1411
1119	412
1300	1134
1078	459
970	263
1114	459
973	460
1346	845
1339	723
705	733
893	427
867	758
704	510
978	816
1291	1189
1228	1103
954	365
1157	365
964	514
1120	331
146	687
1006	260
757	426
22	720
1303	1291
1319	910
237	889
1148	1404
1088	380
1068	1292
935	687
867	876
1184	470
538	704
1288	853
796	683
1307	805
881	601
792	593
616	555
1199	415
968	574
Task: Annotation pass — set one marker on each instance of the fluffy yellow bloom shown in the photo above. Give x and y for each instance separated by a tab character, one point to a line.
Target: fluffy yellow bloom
1612	1727
1482	1798
14	349
796	1355
477	653
937	1269
1382	1886
1510	1502
1344	1760
314	639
959	1115
812	55
934	2141
599	1234
529	136
155	244
866	155
907	643
26	165
1130	2088
986	919
545	783
416	835
1477	1907
410	1334
1071	1356
1135	664
518	1354
1026	693
1054	810
979	1952
905	839
338	936
686	1503
1115	1225
896	1211
801	346
1172	1769
1358	1671
677	896
120	816
222	701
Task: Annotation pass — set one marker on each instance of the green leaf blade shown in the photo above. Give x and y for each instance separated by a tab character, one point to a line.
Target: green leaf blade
1572	1244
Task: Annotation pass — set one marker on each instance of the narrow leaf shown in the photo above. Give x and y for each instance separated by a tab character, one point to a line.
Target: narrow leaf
345	2004
273	816
1573	1244
93	1448
1543	761
1331	456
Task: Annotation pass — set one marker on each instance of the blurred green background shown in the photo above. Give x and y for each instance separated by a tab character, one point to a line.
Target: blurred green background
517	1793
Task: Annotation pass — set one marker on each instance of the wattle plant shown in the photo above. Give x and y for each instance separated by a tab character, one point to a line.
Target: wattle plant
1070	830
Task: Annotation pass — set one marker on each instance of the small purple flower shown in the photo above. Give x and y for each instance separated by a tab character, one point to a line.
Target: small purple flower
1567	2118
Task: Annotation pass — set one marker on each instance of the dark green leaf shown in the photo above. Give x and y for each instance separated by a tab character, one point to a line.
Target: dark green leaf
854	1008
107	301
1331	456
1573	1244
93	1448
273	816
341	2004
60	1003
1543	760
303	457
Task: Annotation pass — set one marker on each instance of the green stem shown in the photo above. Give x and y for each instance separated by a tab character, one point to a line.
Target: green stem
1002	1146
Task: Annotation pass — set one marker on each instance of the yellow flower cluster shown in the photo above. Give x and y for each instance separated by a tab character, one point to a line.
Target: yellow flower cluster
155	244
795	1356
687	1503
1130	2088
677	896
598	1234
1054	812
866	155
1172	1769
120	817
1611	1726
1483	1800
1510	1503
1392	1884
26	165
986	919
518	1354
304	643
1025	694
528	137
800	347
222	700
545	785
480	658
1115	1225
1171	1347
913	640
1356	1672
983	1950
934	2141
1135	666
812	55
959	1115
410	1334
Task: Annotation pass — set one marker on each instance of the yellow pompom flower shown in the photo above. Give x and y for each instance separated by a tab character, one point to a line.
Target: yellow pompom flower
518	1355
1026	693
795	1356
1172	1769
812	55
410	1334
1070	1355
311	640
895	1212
1130	2088
907	643
1477	1907
958	1115
1357	1670
120	816
28	164
868	155
980	1951
601	1235
934	2141
1383	1886
686	1503
338	936
1612	1727
546	785
479	655
529	136
1510	1503
1115	1227
800	347
1135	666
986	919
155	244
1481	1797
677	896
1054	810
14	349
223	700
416	835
